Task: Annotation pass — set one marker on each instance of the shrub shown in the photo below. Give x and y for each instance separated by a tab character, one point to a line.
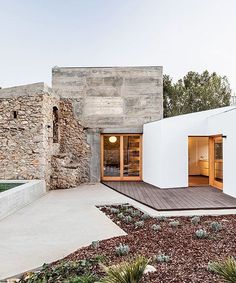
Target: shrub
120	215
161	218
156	227
195	220
114	210
126	272
226	269
122	250
127	219
174	223
95	244
145	216
87	278
162	258
201	234
216	226
139	224
136	213
129	210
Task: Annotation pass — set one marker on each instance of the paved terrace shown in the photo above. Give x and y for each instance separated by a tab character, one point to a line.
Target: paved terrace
193	198
63	221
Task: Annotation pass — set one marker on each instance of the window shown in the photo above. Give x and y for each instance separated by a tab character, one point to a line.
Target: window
55	125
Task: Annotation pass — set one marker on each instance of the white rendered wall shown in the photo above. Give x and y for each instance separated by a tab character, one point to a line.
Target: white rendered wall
165	146
225	123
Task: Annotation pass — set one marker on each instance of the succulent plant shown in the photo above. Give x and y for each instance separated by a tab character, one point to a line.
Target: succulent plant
210	266
120	215
174	223
161	218
114	210
127	219
129	210
95	244
195	220
139	224
201	234
216	226
136	213
156	227
122	250
162	258
145	216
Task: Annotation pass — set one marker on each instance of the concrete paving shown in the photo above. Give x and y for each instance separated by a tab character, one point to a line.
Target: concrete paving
61	222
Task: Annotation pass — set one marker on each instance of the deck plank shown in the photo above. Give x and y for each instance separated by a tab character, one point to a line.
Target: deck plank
174	199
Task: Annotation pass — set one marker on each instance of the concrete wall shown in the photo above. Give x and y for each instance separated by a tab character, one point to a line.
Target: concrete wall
18	197
165	146
110	100
113	97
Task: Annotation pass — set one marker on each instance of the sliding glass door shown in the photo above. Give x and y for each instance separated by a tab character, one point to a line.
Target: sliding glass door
121	157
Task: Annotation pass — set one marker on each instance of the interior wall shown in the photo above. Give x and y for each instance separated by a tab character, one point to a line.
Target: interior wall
197	150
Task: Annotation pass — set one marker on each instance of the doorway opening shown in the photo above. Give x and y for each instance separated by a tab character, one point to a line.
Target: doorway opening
205	161
121	157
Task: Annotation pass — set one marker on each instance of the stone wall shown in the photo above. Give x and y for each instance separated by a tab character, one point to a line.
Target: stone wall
24	132
70	167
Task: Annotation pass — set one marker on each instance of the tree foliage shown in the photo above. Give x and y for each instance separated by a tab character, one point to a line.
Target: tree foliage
195	92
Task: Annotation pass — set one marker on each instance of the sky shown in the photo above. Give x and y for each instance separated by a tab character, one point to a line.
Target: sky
180	35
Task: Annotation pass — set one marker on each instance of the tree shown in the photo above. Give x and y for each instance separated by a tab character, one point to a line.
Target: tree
195	92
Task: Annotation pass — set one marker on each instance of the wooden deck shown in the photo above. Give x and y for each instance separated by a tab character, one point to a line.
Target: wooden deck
174	199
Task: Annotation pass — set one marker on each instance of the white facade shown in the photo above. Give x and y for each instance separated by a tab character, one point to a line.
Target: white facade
165	147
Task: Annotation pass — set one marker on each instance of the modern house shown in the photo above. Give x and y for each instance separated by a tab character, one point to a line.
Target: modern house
105	124
192	150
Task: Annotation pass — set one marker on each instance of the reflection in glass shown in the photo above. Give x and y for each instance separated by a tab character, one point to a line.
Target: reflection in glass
218	160
131	153
111	156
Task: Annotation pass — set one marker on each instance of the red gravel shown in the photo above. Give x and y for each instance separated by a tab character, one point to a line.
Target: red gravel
189	255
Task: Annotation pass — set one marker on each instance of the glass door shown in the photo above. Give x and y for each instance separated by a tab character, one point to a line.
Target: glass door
216	170
121	157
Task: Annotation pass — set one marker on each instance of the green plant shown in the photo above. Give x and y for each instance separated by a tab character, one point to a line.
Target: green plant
174	223
95	244
127	219
120	215
139	224
126	272
195	220
136	213
145	216
122	250
161	218
226	269
156	227
114	210
216	226
129	210
87	278
162	258
201	234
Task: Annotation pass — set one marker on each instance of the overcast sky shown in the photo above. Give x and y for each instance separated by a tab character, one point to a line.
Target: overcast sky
180	35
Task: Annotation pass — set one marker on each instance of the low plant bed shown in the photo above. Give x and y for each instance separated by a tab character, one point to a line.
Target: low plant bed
179	248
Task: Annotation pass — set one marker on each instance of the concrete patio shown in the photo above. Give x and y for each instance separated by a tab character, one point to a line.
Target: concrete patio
61	222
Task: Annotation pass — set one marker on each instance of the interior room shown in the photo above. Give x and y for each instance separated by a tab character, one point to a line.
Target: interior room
198	157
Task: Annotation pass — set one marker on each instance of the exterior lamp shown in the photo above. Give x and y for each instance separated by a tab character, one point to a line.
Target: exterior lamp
112	139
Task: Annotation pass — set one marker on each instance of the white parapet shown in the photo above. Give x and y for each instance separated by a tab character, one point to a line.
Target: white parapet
13	199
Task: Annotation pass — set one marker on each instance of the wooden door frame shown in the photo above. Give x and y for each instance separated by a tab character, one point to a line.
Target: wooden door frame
121	177
213	182
211	138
